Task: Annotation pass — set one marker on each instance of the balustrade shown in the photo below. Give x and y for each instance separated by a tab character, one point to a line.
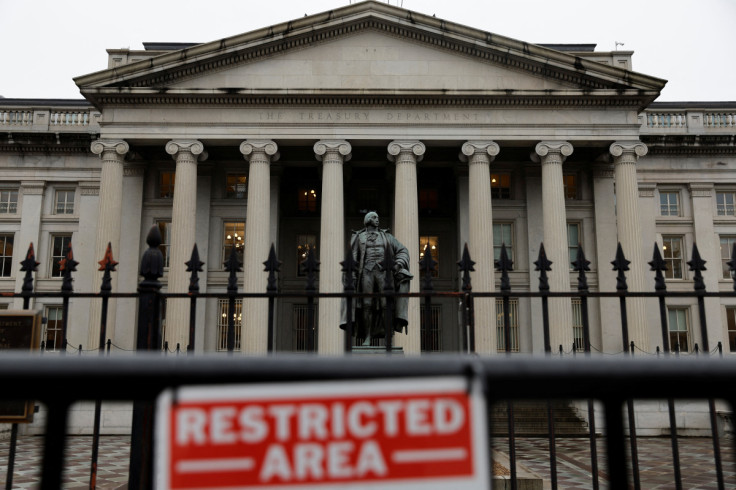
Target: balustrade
69	118
719	120
15	118
667	120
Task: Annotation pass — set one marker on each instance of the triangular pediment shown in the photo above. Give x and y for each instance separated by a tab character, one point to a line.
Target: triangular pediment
372	50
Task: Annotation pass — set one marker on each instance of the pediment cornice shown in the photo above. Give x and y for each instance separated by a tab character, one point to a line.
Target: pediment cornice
161	72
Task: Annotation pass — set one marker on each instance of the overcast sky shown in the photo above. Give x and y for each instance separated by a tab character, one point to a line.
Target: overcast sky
690	43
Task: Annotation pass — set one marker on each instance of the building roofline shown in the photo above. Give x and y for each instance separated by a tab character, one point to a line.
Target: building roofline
693	105
46	102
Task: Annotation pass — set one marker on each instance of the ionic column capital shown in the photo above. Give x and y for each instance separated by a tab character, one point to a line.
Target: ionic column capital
177	148
101	146
627	150
341	147
472	148
268	148
414	148
552	151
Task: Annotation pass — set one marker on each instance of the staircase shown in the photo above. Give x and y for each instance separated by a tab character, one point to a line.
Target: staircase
530	419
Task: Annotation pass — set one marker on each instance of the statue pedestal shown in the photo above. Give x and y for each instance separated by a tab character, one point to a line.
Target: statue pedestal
376	350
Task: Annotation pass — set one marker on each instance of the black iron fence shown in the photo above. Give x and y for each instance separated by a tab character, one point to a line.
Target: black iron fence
607	381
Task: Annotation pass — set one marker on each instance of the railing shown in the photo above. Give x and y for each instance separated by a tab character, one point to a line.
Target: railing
69	118
608	381
16	118
719	120
49	118
688	120
666	120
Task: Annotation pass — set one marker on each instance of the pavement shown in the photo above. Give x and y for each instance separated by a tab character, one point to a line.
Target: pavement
573	462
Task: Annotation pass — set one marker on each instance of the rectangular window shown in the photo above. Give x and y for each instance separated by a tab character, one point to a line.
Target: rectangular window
64	203
233	235
52	335
501	186
235	186
669	203
673	256
8	201
6	255
577	324
513	324
725	203
164	227
573	240
166	184
503	233
431	331
306	200
299	342
59	244
304	243
222	323
679	329
731	325
727	243
433	242
571	186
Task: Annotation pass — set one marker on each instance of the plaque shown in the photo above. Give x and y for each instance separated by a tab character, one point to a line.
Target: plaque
20	330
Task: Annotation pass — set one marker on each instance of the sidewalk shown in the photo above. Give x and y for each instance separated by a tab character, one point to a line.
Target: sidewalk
573	462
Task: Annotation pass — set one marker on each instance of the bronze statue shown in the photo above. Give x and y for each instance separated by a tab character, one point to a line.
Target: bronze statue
369	247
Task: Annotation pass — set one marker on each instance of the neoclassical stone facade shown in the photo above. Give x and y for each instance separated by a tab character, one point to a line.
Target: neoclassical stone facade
288	135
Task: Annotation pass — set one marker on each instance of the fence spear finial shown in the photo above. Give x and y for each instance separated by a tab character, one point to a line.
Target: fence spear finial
152	262
311	266
581	266
272	266
29	266
465	264
67	265
233	267
658	265
504	265
621	265
427	265
107	264
697	265
543	265
194	265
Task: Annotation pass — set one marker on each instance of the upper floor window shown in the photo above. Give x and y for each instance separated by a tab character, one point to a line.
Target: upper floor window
501	186
669	203
235	186
59	244
673	256
725	203
503	234
306	200
8	201
433	242
727	243
573	241
233	236
6	255
164	227
64	202
731	326
166	184
571	186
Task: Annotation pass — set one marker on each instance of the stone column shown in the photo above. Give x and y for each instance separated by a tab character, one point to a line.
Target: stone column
552	154
183	225
406	155
112	153
479	155
254	329
30	229
708	245
332	154
625	155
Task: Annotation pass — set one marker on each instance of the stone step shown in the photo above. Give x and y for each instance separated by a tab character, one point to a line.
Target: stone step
530	419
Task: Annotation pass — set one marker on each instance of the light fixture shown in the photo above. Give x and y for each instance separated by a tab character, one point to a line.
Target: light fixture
229	237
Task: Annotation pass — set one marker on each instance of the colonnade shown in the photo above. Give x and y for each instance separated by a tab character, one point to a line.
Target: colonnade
406	155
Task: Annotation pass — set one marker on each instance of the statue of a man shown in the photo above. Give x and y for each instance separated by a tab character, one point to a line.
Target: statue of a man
369	247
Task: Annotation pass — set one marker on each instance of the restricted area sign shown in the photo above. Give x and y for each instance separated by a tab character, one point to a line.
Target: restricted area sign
399	433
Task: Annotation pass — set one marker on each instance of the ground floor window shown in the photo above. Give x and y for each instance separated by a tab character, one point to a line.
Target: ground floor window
577	324
679	329
513	324
52	332
222	322
302	330
731	325
6	255
431	331
59	244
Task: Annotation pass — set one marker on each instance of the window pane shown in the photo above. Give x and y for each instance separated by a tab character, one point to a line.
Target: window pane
502	234
571	186
513	324
235	186
233	235
433	243
164	227
166	185
59	244
307	200
6	255
501	186
64	202
8	201
727	243
222	323
673	256
731	324
304	243
52	339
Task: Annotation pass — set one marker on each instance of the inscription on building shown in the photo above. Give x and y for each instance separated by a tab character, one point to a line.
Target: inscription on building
418	117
